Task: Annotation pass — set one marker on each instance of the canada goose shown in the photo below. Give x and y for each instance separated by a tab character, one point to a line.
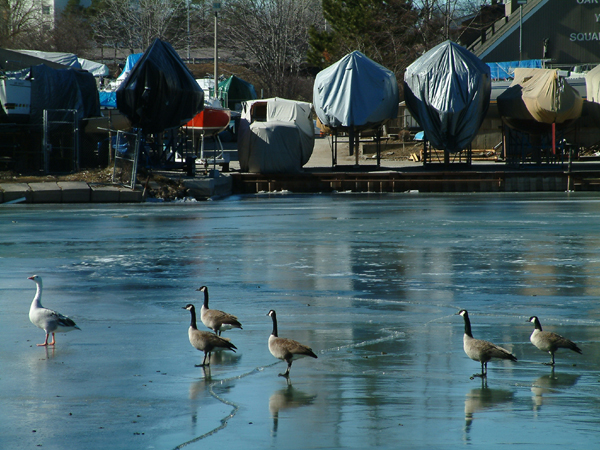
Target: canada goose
46	319
287	350
479	350
214	319
204	340
548	341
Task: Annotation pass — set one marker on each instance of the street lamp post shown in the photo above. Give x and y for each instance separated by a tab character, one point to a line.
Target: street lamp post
216	9
521	3
188	30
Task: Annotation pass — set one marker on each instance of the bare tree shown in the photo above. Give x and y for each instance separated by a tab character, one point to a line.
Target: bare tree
271	36
20	20
134	25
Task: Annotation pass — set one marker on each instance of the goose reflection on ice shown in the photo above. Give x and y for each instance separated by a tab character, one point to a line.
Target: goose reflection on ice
481	399
548	384
287	398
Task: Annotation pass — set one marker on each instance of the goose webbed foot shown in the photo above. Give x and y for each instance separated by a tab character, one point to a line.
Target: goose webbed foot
287	372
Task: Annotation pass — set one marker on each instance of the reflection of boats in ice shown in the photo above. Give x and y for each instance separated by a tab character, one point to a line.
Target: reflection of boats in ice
287	398
538	98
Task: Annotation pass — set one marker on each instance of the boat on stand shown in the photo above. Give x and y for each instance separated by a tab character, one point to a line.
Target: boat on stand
209	122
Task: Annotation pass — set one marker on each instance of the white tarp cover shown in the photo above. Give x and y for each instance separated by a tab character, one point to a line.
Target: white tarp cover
448	91
70	60
592	82
95	68
66	59
281	142
355	92
541	95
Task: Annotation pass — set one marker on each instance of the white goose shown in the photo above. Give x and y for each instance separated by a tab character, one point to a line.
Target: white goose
46	319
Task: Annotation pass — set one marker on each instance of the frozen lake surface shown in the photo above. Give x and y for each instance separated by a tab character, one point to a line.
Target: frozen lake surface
371	282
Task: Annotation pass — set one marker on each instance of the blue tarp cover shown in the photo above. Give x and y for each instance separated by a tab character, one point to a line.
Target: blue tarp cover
355	92
506	70
447	90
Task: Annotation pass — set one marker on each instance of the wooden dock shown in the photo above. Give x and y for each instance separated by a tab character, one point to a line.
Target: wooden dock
536	180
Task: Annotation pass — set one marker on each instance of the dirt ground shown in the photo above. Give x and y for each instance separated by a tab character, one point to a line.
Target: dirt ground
156	185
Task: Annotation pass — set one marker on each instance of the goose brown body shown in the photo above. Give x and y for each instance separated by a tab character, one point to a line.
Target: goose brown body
285	349
480	350
205	341
214	319
548	341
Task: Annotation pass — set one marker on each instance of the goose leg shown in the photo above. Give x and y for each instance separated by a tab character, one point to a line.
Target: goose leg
551	363
287	372
483	371
204	360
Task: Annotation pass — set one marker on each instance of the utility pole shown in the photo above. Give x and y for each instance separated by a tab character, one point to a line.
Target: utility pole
216	9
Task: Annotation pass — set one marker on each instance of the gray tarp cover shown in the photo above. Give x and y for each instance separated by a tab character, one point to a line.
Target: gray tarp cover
355	92
448	91
159	92
281	144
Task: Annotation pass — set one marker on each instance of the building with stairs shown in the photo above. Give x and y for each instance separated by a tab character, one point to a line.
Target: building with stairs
562	33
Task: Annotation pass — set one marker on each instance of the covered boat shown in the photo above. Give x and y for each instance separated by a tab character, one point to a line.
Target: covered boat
275	136
236	91
447	90
159	92
538	98
355	92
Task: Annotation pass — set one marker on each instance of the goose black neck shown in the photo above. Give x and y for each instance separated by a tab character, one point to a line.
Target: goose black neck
206	298
537	324
193	321
467	325
274	333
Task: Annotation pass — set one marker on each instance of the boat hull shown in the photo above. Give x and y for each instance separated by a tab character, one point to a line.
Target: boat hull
210	120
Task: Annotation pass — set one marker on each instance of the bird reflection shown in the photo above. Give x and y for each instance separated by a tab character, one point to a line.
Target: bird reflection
221	357
200	386
548	384
483	398
287	398
196	389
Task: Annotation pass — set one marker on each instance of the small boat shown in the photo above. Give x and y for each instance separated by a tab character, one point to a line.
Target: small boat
211	120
